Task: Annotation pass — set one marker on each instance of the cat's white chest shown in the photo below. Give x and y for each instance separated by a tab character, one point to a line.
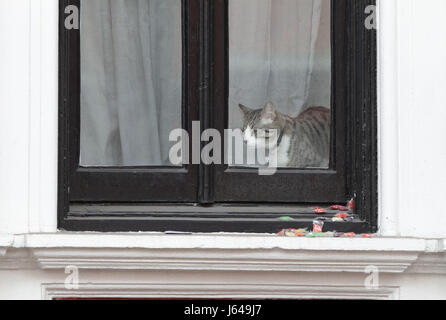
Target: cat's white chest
283	152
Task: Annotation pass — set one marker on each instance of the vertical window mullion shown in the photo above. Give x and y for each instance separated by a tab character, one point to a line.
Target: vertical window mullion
205	92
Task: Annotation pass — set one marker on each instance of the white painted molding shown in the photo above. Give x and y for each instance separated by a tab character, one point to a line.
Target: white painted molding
18	259
224	260
224	252
43	110
6	241
388	124
216	291
429	263
222	241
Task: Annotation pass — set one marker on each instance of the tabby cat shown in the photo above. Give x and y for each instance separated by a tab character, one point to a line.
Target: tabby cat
301	142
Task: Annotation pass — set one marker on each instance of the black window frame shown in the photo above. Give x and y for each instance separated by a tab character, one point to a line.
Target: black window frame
287	185
143	183
198	198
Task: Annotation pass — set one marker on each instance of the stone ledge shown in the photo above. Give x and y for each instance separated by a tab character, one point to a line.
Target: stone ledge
224	252
224	241
6	241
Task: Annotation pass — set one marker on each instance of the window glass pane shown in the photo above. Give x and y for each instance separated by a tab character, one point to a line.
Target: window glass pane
280	52
131	66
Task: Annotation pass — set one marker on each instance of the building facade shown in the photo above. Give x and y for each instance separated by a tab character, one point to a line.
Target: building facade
405	260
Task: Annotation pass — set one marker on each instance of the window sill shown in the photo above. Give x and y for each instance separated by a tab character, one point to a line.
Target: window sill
227	241
233	218
228	252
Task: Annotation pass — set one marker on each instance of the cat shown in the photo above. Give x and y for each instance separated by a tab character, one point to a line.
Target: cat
301	142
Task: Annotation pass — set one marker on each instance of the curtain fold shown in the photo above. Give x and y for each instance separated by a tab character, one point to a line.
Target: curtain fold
131	65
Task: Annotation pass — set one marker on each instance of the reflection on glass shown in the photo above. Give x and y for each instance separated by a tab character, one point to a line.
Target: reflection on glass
131	65
280	78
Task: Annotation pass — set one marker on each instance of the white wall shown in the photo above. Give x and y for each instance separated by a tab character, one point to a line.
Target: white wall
28	115
423	120
14	115
30	288
412	117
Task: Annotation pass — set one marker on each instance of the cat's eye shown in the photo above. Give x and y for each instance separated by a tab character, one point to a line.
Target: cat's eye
267	133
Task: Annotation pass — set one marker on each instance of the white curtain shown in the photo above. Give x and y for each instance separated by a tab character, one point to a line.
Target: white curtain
272	49
131	66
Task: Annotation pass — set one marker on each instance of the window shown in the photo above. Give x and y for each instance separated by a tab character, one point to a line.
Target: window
298	77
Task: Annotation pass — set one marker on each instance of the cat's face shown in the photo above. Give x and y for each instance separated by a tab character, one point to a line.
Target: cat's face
262	127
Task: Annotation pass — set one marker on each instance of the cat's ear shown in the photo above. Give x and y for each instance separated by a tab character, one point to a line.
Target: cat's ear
269	112
244	109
